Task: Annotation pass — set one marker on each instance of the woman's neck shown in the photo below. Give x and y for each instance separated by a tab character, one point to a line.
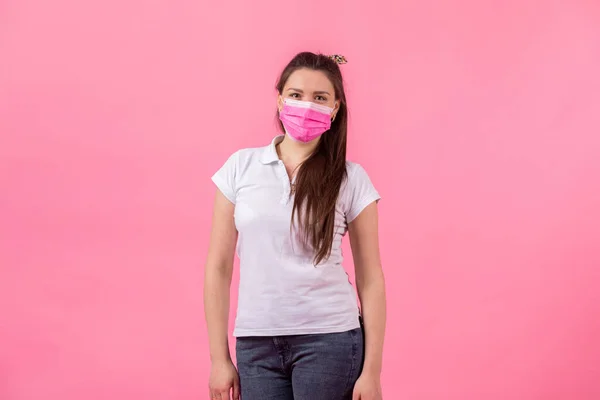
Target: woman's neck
293	152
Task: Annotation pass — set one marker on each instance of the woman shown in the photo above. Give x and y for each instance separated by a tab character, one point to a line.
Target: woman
285	208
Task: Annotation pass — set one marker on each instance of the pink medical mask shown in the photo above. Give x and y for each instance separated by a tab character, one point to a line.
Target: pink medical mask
305	121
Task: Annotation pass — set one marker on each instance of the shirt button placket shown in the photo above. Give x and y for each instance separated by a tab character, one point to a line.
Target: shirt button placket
285	197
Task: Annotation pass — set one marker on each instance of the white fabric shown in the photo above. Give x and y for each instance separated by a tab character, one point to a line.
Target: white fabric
310	105
281	292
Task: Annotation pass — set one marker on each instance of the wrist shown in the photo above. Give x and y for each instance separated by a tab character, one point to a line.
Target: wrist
373	371
220	357
221	360
219	351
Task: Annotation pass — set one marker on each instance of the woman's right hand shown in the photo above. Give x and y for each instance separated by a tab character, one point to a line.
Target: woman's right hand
224	381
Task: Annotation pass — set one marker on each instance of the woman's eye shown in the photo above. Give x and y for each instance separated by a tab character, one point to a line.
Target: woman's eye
321	98
294	95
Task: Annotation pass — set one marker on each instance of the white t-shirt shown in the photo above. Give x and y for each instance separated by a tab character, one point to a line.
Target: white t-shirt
281	291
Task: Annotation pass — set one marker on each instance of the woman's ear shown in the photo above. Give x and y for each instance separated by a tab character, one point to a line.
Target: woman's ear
336	108
279	103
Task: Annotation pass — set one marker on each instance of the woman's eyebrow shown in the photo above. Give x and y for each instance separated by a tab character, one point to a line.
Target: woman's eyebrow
301	91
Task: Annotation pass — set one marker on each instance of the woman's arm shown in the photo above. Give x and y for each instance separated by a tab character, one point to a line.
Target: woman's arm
364	239
217	278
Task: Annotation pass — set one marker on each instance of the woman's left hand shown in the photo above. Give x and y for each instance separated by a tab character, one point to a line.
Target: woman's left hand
367	387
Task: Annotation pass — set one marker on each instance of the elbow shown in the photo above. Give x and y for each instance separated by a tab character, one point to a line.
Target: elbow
219	271
374	280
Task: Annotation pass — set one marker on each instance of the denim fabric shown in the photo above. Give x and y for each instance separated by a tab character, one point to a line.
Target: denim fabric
300	367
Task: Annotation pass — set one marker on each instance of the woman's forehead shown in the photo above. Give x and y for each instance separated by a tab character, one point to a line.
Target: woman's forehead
308	79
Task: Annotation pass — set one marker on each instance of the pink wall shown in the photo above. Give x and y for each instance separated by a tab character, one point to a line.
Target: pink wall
486	121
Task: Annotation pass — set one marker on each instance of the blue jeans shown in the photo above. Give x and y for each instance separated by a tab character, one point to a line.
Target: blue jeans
300	367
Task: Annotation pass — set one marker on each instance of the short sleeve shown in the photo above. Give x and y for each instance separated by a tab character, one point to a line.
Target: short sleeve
360	192
225	178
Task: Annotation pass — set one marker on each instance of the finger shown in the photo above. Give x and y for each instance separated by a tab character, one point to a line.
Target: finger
355	395
215	396
225	395
236	390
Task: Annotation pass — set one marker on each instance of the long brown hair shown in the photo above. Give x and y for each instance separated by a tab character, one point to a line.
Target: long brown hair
320	176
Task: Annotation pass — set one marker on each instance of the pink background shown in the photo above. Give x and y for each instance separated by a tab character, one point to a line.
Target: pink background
479	124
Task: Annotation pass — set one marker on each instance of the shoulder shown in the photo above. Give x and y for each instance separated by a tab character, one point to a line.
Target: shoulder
357	183
245	157
355	172
249	152
246	153
356	177
352	167
357	191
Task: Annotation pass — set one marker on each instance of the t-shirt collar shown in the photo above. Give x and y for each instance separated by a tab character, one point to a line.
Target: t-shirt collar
269	154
